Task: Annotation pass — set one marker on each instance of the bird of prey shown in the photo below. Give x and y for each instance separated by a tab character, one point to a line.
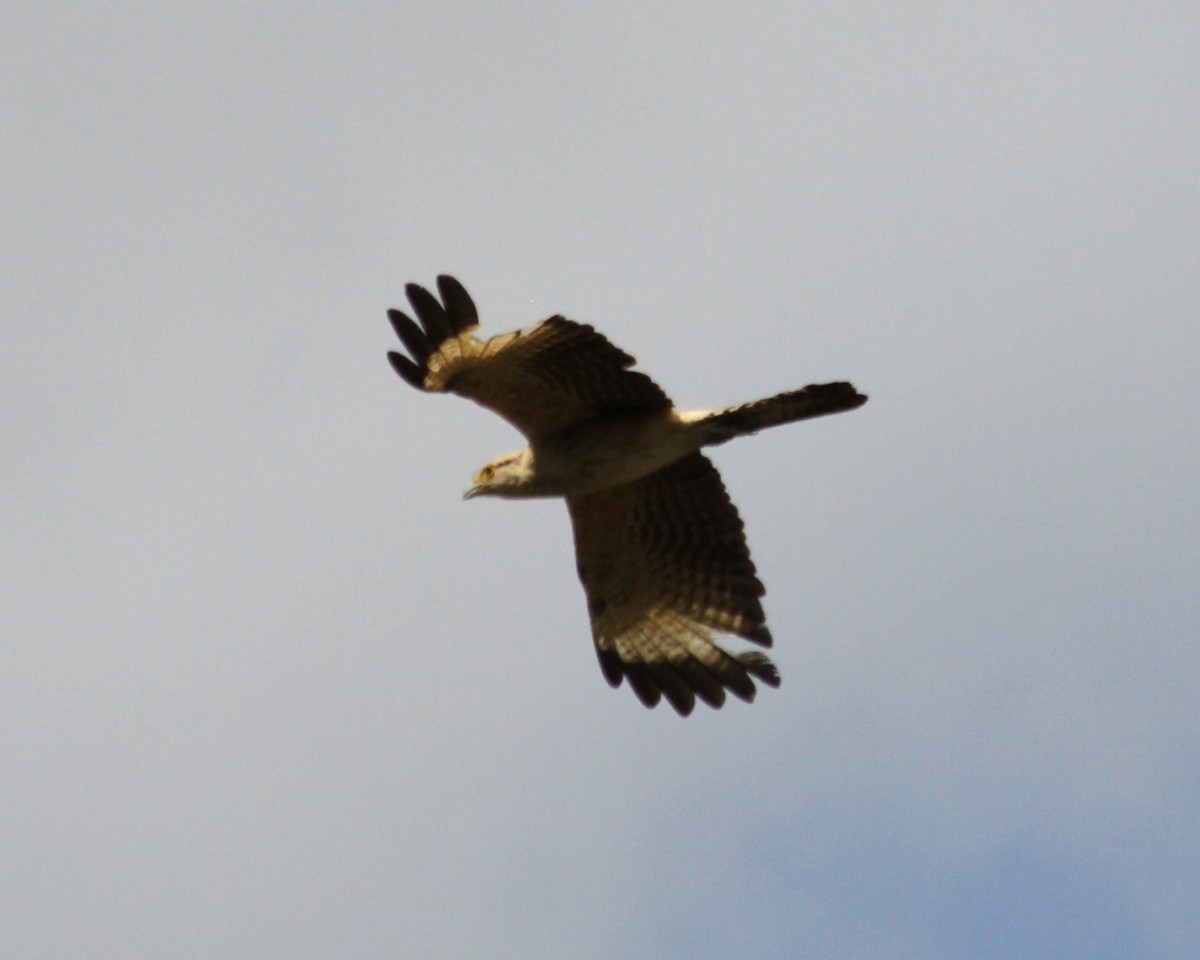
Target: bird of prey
659	546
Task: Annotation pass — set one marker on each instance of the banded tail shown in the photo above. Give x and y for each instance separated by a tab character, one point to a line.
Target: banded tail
815	400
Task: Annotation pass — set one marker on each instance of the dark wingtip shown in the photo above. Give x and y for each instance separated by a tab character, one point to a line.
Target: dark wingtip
673	686
643	684
760	635
412	336
611	666
759	666
407	369
460	308
430	312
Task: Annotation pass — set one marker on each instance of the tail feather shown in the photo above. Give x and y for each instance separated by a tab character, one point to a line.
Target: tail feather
815	400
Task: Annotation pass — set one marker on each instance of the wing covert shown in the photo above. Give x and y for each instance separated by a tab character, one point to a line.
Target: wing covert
541	379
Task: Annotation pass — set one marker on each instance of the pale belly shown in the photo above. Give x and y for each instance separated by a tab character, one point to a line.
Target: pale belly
611	452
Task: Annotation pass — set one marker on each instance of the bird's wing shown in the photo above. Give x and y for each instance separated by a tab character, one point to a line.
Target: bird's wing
541	379
665	568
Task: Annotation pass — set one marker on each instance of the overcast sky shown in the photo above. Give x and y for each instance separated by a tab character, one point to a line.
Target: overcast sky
270	689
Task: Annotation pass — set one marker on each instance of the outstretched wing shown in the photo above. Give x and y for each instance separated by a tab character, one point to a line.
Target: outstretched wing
665	567
541	379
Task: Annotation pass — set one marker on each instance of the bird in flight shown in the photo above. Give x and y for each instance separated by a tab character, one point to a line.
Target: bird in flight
659	546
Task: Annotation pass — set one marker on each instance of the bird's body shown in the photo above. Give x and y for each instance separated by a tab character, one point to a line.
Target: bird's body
599	454
659	546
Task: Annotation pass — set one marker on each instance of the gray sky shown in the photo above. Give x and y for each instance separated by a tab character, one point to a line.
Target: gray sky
269	689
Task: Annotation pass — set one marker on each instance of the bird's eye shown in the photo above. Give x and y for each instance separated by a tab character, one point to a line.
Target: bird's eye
487	473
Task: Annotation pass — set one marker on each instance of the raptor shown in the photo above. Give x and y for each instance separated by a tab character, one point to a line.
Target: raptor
660	548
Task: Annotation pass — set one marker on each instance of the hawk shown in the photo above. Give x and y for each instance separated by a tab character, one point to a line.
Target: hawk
659	546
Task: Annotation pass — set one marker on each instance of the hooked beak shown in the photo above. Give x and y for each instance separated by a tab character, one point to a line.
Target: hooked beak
472	491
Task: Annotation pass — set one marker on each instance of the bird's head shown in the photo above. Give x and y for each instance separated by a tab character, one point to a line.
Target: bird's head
508	476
